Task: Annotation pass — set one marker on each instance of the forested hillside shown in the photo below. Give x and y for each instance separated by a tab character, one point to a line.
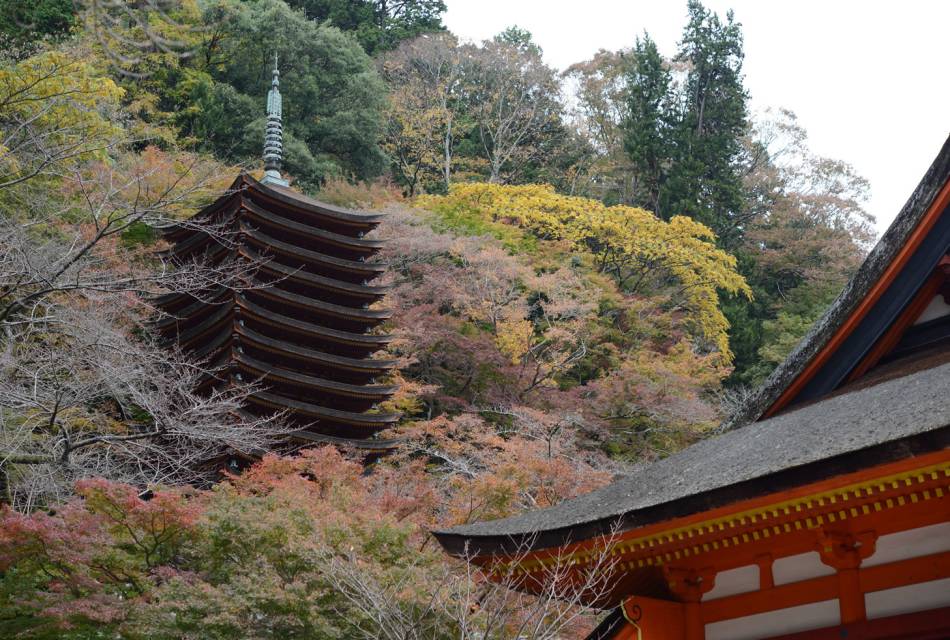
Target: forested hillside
589	269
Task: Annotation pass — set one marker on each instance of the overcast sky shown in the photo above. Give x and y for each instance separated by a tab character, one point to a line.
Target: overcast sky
867	78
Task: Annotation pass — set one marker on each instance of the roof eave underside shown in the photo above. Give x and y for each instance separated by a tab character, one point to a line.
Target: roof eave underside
894	420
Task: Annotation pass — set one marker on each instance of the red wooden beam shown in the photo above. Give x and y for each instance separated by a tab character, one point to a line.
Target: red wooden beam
878	578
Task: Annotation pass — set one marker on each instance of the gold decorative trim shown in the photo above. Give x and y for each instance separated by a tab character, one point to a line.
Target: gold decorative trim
832	506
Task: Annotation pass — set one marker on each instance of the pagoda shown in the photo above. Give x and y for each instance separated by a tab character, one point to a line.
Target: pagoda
302	324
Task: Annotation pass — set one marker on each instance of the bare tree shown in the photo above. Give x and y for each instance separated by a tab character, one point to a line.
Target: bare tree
84	389
513	97
477	598
81	397
426	78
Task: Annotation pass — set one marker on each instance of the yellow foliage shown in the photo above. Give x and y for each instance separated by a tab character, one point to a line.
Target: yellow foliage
631	244
53	107
514	338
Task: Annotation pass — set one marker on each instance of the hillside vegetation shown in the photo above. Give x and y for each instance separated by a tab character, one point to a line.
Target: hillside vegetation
589	268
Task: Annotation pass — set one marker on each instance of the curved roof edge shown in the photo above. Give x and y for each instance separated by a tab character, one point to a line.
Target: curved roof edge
896	419
284	322
870	272
377	421
380	444
288	196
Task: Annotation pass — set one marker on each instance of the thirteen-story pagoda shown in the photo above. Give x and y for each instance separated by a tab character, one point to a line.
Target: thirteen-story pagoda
303	325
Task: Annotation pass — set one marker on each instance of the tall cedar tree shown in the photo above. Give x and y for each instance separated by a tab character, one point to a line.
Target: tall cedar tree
704	180
646	139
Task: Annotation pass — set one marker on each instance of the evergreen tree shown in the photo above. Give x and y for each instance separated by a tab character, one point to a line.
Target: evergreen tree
24	23
704	180
379	25
646	128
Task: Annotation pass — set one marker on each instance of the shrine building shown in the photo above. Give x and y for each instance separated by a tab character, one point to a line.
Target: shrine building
823	509
303	325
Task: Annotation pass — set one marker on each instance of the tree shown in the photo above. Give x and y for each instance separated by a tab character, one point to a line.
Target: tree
82	391
425	89
704	180
646	131
24	23
211	98
307	546
600	91
80	398
54	111
513	99
807	233
640	251
333	97
379	25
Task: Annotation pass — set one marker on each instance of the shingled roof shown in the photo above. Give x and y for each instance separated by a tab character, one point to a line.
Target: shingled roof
870	272
894	419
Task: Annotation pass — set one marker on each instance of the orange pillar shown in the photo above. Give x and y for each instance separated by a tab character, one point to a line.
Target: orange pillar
653	619
689	585
695	629
850	596
844	552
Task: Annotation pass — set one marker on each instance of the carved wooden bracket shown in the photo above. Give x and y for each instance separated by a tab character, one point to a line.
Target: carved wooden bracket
689	585
845	550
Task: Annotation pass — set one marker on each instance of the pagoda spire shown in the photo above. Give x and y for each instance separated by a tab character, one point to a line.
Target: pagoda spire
273	133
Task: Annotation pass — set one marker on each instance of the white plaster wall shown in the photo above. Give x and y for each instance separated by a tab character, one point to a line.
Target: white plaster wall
922	541
916	597
936	309
733	581
799	567
763	625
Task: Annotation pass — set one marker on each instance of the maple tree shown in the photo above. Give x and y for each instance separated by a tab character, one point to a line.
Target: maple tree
292	547
638	249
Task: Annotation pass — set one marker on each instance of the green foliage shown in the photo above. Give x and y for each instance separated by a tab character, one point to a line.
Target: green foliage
214	98
704	180
641	252
646	135
139	233
378	25
685	138
25	22
332	95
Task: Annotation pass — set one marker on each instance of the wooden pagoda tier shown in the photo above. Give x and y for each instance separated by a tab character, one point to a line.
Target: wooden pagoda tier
821	511
302	323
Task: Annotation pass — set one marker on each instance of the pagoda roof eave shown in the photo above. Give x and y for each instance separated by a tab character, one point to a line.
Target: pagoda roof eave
223	315
307	231
185	227
376	421
367	291
297	300
211	299
287	323
296	351
244	183
310	205
257	367
381	444
260	238
192	239
898	418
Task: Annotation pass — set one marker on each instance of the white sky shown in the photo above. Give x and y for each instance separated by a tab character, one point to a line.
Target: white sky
868	79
